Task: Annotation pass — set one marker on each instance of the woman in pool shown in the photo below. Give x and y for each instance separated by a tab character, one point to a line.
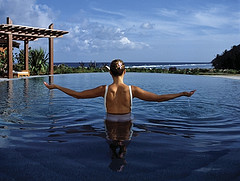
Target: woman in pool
118	96
118	103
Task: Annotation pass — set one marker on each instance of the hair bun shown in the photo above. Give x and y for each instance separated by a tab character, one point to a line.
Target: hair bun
117	67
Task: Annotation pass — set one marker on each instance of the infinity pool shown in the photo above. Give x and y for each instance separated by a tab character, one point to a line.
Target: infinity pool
47	135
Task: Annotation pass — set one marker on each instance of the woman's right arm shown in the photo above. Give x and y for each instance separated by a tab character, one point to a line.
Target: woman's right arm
149	96
90	93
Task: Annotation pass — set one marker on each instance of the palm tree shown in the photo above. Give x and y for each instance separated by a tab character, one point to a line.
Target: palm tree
38	61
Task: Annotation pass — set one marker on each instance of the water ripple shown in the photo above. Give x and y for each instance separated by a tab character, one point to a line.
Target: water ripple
29	112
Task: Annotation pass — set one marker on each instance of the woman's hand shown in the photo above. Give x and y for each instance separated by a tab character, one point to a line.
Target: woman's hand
52	86
189	94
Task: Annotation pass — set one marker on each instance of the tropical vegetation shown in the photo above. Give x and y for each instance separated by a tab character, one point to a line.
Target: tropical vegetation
63	69
228	59
226	63
3	62
38	61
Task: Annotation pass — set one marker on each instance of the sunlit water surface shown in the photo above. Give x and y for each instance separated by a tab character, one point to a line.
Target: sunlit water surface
47	135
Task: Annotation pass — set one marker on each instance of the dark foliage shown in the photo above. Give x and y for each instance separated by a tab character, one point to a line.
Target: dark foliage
3	62
228	60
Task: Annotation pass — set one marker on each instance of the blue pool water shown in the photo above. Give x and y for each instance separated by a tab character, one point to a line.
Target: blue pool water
47	135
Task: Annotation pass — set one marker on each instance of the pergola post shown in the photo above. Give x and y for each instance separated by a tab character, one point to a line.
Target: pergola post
26	67
51	52
9	51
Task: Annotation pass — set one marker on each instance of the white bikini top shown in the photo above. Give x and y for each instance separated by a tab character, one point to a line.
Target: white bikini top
105	97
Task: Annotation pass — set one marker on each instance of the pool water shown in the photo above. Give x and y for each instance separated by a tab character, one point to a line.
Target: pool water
48	135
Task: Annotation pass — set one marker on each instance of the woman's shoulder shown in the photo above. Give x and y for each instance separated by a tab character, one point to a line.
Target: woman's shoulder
134	88
120	87
101	87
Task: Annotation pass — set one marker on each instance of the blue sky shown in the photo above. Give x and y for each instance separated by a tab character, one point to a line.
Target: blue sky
133	30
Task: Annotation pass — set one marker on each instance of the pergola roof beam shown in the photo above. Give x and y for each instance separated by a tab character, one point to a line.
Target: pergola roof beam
18	37
30	31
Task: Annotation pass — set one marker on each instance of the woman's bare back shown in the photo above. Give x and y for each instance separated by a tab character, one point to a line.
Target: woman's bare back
118	99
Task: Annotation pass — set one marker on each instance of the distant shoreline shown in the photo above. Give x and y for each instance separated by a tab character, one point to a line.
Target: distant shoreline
147	65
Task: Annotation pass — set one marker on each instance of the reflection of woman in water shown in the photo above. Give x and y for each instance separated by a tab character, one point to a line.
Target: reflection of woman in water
118	134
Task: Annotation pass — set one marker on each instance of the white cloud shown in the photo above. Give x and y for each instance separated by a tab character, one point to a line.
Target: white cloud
93	36
26	12
111	13
210	19
147	25
125	41
191	23
167	12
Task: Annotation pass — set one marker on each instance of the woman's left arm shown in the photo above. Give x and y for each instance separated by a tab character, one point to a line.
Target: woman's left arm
91	93
149	96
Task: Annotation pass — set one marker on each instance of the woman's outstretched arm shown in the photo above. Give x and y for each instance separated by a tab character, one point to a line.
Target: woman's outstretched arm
149	96
91	93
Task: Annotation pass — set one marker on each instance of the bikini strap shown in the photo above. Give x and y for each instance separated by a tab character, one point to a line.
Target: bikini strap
105	98
130	92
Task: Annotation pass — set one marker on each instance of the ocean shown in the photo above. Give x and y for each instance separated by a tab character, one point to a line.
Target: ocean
158	65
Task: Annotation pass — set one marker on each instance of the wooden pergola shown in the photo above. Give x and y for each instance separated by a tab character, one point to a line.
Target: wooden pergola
12	32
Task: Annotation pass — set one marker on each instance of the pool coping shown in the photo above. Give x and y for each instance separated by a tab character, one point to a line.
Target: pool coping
6	79
236	77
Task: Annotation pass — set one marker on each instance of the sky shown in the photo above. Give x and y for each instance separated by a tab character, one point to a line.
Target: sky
132	30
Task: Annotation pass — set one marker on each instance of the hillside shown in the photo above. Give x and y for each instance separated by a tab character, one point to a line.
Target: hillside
228	60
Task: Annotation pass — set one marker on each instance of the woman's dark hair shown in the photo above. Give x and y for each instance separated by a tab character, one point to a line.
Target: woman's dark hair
117	67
